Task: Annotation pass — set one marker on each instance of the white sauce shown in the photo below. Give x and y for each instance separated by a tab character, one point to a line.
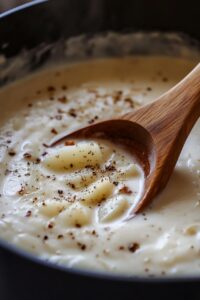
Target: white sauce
165	239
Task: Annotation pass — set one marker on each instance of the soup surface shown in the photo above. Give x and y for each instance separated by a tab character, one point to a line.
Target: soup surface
69	204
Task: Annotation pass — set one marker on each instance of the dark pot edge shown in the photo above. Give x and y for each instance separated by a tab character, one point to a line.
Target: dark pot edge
21	7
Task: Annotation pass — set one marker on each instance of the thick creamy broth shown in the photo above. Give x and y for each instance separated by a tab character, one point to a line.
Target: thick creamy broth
45	194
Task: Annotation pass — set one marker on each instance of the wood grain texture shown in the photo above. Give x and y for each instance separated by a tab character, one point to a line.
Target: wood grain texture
168	120
158	130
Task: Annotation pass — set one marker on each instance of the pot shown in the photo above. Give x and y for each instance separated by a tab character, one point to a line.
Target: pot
22	275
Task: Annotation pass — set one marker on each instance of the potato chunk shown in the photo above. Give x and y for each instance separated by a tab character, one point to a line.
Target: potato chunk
97	191
192	229
113	209
74	157
76	215
52	208
130	170
80	179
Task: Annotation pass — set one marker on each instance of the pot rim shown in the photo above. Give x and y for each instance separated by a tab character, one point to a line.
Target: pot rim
95	274
21	7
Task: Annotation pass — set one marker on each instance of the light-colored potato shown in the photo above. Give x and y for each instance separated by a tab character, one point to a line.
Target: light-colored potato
126	172
74	157
75	215
52	208
192	229
130	170
113	209
80	179
97	192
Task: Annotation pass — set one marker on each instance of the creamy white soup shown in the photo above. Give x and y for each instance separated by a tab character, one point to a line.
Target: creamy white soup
69	204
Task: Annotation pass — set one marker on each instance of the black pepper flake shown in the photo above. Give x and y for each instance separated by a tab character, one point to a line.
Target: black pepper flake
125	190
91	121
45	238
27	155
77	225
22	191
44	153
81	246
62	99
45	145
110	168
54	131
50	225
130	102
35	200
72	185
149	89
51	88
117	96
60	192
72	112
28	214
121	248
60	236
133	247
12	153
38	160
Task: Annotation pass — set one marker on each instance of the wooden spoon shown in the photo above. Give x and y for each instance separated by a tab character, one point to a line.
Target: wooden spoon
156	131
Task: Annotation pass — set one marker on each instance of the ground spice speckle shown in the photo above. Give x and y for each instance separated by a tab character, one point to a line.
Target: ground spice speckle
133	247
54	131
28	214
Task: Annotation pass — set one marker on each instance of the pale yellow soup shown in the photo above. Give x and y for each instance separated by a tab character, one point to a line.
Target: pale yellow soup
69	204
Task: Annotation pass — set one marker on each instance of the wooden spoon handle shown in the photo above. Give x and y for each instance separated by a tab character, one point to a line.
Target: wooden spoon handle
180	105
